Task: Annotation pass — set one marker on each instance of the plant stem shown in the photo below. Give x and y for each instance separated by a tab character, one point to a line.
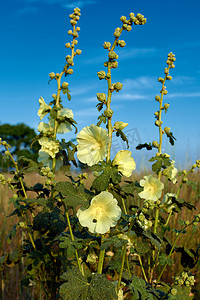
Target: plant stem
141	265
122	267
101	257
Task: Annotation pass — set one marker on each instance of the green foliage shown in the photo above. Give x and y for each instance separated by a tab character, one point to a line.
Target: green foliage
77	286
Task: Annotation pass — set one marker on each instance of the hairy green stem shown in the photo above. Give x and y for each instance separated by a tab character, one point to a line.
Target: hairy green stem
122	267
101	257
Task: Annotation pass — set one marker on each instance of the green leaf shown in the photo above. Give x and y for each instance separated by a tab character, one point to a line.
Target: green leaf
101	183
101	118
123	136
78	287
147	146
32	166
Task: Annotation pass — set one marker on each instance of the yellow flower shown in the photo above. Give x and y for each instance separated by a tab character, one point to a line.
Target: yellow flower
171	172
63	126
92	144
49	146
44	108
47	161
102	214
125	162
44	128
152	188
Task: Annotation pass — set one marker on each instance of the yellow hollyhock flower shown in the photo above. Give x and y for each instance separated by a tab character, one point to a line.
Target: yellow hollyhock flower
47	161
92	144
44	128
49	146
125	162
152	188
44	108
102	213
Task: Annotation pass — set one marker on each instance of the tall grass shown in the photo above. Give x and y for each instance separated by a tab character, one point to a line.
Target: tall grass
11	276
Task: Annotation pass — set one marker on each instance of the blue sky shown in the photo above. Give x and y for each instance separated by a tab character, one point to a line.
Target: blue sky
33	35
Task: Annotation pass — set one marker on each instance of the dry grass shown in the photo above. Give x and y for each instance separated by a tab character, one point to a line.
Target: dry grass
9	288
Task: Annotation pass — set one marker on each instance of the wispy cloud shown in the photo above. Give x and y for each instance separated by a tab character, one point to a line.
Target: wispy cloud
26	10
182	80
185	95
136	52
140	83
79	4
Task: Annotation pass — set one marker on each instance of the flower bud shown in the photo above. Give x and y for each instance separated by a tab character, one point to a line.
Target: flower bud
160	79
114	64
65	85
118	86
156	113
78	51
121	43
106	45
101	74
128	28
57	75
75	34
158	123
166	105
101	97
73	22
70	61
52	75
155	144
168	77
54	96
69	32
167	130
108	113
120	125
117	34
105	64
157	98
123	19
70	71
112	55
165	92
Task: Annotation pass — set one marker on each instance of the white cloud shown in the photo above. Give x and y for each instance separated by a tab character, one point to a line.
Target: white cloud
140	83
88	112
79	4
184	95
135	52
182	80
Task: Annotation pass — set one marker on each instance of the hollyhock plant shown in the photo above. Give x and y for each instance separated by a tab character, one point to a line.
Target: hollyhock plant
102	213
92	144
44	108
125	162
63	125
49	146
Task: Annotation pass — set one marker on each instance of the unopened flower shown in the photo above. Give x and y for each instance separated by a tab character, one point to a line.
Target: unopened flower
168	203
102	213
49	146
92	144
47	160
120	125
44	108
63	126
125	162
152	188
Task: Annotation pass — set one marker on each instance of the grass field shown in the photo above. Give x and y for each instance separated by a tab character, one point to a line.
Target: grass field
11	276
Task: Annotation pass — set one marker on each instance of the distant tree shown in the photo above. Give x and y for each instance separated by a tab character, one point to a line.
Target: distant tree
20	138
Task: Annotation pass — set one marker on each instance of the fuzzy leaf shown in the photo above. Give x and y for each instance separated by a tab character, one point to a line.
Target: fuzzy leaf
123	136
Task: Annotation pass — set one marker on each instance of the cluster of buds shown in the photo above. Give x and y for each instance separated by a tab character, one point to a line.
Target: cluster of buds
46	171
4	143
185	279
82	177
139	19
198	163
3	180
149	205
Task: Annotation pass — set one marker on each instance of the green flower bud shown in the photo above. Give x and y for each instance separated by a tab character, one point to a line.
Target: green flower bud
108	113
101	97
101	74
158	123
73	22
114	64
165	92
57	75
67	45
194	166
70	61
120	125
195	223
75	34
118	86
173	292
106	45
70	32
121	43
168	77
123	19
78	29
128	28
156	113
52	75
125	26
187	223
117	34
155	144
108	75
132	15
7	153
112	55
75	42
157	98
166	105
184	180
78	52
70	71
105	64
65	85
167	130
180	282
184	172
54	96
160	79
